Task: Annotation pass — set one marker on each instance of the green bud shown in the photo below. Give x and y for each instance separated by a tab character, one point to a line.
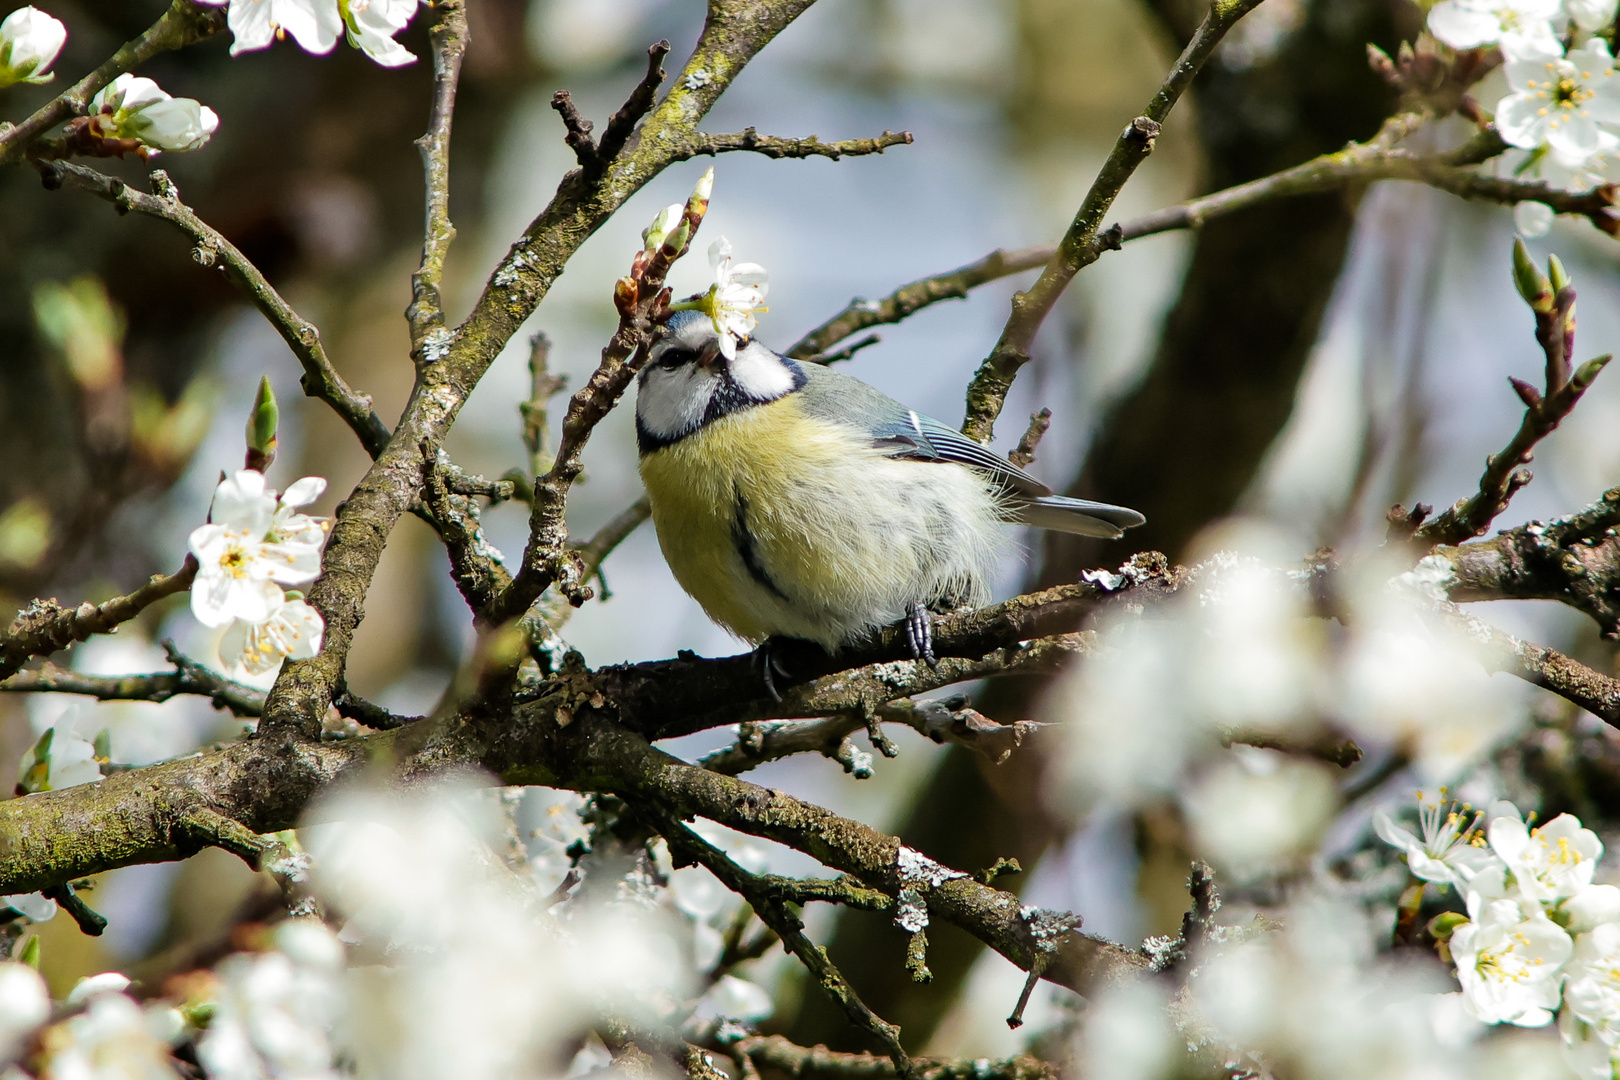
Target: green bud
34	771
1588	371
1531	282
1556	271
30	952
263	421
676	240
103	746
1443	925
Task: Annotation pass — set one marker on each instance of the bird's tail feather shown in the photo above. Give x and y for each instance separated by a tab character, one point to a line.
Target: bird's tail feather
1079	516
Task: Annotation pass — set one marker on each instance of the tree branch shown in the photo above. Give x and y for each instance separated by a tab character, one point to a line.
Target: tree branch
159	686
907	299
687	847
44	626
818	1063
773	146
995	376
640	102
449	37
1543	411
184	23
320	379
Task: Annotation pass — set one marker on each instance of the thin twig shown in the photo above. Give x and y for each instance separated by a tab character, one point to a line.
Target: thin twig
910	298
182	24
1543	411
848	351
449	37
44	626
776	1053
320	379
157	686
1039	424
995	376
688	847
773	146
640	102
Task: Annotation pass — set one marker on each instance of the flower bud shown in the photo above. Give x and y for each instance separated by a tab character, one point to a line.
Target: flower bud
263	420
1588	371
1531	282
676	241
704	188
653	235
1443	925
29	43
1556	271
131	107
30	953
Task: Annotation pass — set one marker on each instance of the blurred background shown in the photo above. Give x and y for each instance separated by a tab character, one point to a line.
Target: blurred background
1304	365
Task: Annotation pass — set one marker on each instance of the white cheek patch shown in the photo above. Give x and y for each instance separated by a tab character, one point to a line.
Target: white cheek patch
672	402
760	375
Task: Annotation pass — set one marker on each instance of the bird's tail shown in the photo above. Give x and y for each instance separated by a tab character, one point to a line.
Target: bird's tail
1079	516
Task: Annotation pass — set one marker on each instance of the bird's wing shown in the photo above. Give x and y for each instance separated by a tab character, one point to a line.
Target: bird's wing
923	438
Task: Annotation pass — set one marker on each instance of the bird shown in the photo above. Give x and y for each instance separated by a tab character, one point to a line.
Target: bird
795	501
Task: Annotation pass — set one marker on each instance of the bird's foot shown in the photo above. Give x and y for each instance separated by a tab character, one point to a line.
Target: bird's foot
767	654
920	634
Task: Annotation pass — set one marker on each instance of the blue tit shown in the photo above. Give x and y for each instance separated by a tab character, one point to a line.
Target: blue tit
793	501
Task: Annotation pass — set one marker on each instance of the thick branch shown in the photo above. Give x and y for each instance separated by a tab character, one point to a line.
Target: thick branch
773	146
44	626
183	24
449	37
320	379
1571	680
1077	250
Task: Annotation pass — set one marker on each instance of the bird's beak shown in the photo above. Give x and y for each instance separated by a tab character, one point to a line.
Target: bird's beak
710	356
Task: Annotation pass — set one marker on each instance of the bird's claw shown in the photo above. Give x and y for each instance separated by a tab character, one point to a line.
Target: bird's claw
920	634
770	666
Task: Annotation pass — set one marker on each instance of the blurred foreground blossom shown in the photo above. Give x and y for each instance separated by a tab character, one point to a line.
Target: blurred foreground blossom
478	981
29	43
24	1005
272	1012
113	1038
1257	813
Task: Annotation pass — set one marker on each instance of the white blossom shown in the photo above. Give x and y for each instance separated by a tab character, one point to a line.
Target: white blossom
24	1005
133	107
113	1039
1589	909
273	1012
1549	863
1509	963
1532	219
372	25
1452	850
1593	989
1559	101
241	557
1513	24
292	632
314	24
36	907
731	998
108	982
29	43
734	298
60	759
1591	15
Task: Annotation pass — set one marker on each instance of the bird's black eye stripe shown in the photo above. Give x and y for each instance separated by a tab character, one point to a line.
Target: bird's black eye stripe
675	356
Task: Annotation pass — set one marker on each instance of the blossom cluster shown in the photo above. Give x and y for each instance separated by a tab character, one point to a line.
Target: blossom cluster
254	544
437	961
1540	939
1561	108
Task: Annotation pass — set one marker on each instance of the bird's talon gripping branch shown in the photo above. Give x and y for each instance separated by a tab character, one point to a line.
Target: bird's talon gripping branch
920	634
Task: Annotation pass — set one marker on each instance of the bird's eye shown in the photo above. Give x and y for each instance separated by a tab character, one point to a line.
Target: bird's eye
675	356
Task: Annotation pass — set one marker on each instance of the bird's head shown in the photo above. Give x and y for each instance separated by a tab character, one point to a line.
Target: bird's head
688	380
